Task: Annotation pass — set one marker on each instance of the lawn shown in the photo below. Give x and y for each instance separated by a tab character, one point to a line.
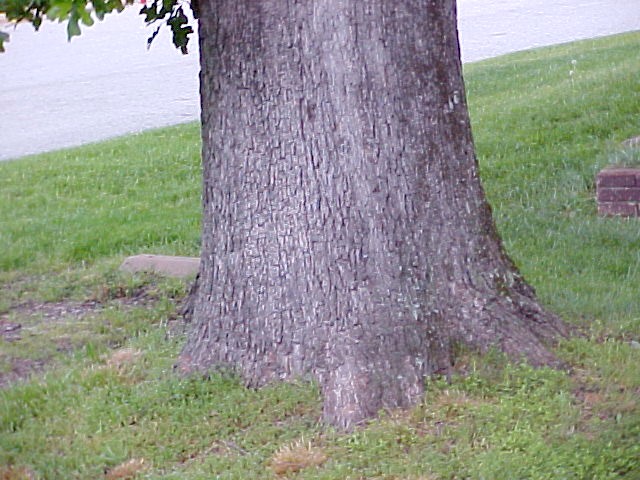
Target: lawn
87	386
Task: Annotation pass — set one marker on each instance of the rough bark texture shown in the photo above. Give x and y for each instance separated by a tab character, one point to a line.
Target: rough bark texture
346	235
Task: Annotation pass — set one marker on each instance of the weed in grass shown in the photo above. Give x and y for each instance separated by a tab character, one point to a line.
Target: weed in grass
295	457
16	473
127	470
123	357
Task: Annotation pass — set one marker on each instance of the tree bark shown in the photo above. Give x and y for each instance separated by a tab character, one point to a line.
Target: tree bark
346	235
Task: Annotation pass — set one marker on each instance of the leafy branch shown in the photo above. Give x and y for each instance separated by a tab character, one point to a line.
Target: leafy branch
77	12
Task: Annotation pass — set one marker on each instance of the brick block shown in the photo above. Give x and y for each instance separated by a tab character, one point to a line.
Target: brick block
619	194
619	209
618	177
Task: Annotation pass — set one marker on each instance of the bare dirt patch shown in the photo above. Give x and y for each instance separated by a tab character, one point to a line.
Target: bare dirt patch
20	321
9	331
20	369
53	311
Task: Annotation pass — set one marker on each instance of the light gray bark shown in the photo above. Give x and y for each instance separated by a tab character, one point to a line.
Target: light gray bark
345	233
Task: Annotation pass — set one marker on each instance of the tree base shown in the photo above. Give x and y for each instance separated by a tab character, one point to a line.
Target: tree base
366	376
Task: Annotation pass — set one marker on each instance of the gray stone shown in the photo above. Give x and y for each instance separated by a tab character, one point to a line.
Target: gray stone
632	142
162	264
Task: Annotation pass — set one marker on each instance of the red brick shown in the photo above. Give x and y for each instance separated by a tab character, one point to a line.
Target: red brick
619	194
610	209
618	177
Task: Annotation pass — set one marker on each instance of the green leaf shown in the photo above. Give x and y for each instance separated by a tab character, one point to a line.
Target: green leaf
177	21
150	14
100	8
4	37
119	6
73	29
59	10
181	29
85	17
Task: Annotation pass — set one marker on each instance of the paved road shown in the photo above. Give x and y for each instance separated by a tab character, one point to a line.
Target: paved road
489	28
106	83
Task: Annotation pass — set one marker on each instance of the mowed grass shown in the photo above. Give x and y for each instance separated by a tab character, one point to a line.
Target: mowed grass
104	401
132	194
545	122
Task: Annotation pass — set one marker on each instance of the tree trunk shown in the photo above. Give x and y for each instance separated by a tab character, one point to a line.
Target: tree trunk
346	235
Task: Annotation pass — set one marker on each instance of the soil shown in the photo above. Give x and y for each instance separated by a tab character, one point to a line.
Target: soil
12	331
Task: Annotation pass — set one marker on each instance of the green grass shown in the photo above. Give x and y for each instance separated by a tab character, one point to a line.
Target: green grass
625	157
105	394
132	194
541	137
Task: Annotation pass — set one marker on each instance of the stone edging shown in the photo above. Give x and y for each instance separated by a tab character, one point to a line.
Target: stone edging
162	264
